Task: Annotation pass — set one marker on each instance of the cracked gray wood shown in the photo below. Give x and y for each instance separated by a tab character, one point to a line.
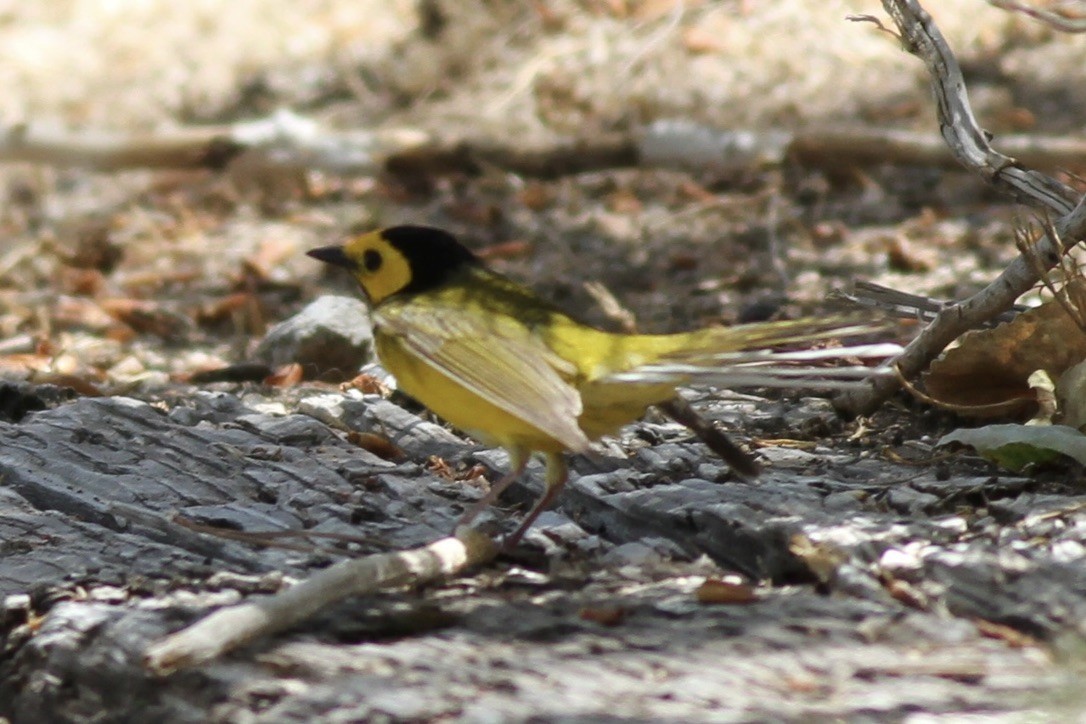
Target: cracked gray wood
84	484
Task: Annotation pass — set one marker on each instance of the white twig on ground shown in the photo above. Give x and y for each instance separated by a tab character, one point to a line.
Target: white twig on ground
229	628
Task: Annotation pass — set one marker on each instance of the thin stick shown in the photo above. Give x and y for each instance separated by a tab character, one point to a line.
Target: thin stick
969	144
295	142
229	628
743	465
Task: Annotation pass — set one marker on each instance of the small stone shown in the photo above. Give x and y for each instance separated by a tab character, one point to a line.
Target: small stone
15	610
895	559
331	339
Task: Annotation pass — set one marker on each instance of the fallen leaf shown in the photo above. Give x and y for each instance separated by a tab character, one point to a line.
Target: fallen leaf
903	255
506	250
69	312
379	445
1011	636
24	362
987	374
625	202
715	590
603	615
79	383
93	247
822	560
225	308
147	317
367	385
80	281
286	376
440	468
535	196
690	190
1015	446
905	592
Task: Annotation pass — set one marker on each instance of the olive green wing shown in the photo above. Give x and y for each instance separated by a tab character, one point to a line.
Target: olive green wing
496	357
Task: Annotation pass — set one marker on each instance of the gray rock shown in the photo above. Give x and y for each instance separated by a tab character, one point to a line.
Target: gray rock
332	337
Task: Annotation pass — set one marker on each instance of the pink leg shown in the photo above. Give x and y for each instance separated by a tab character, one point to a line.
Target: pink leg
518	460
557	475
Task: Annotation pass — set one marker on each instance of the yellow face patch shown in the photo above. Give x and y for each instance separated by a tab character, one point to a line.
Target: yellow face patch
380	268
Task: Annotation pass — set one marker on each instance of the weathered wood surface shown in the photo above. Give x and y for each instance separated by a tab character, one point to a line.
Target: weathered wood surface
916	594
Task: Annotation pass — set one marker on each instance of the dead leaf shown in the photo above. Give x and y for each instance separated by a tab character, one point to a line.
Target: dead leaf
1010	636
80	281
286	376
506	250
1016	118
906	593
367	385
625	202
690	190
147	317
684	261
992	366
440	468
379	445
822	560
903	255
224	308
79	383
603	615
474	213
535	196
716	590
68	312
92	247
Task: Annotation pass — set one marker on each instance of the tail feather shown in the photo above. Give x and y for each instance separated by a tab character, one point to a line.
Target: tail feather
760	335
741	356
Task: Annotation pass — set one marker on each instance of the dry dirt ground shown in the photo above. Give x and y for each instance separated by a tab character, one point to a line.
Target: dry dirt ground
125	283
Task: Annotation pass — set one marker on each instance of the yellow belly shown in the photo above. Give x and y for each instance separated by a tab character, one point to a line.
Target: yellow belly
458	405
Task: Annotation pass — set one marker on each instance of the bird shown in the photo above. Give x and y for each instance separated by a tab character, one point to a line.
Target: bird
513	370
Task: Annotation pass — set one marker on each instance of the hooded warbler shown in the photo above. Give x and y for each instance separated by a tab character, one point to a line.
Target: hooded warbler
497	361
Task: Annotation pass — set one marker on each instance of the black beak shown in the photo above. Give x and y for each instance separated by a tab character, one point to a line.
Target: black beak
333	255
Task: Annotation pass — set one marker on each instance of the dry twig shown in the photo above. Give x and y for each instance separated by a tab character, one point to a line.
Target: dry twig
229	628
288	141
1063	22
970	145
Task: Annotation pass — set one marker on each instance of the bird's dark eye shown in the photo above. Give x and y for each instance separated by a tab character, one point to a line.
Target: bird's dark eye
371	259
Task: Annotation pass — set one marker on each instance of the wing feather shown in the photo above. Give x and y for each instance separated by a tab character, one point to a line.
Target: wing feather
497	358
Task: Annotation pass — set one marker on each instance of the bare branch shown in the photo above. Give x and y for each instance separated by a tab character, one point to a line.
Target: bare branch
283	139
288	141
1056	20
970	145
229	628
